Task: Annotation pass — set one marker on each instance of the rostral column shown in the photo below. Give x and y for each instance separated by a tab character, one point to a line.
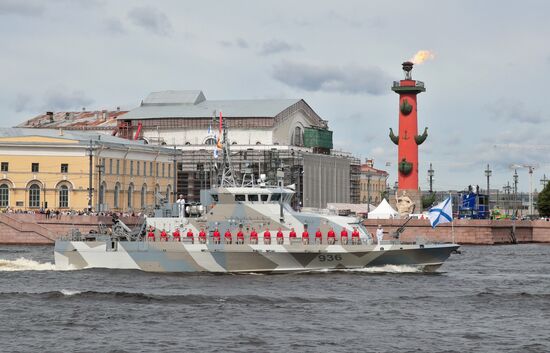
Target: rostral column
408	140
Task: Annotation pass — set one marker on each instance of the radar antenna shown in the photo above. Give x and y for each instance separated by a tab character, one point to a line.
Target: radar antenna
227	178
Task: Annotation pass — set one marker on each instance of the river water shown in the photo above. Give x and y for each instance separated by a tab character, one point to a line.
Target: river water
487	299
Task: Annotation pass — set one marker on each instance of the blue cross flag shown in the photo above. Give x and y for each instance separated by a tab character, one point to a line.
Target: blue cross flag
441	213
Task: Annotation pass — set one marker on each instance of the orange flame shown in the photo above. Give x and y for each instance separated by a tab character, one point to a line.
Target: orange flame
421	56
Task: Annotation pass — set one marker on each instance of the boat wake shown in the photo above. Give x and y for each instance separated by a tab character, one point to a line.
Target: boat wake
376	269
23	264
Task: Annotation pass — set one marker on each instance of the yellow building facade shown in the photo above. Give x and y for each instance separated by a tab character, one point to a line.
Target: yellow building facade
50	169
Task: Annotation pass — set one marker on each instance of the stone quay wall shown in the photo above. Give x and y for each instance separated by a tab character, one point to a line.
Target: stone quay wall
467	231
36	229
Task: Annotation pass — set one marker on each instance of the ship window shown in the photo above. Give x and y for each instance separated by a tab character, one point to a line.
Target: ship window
215	198
275	197
240	198
264	197
252	197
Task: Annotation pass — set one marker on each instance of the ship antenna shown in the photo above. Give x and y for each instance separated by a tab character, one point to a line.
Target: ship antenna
228	179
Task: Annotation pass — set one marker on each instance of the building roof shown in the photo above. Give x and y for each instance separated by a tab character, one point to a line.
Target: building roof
365	168
97	120
82	137
193	104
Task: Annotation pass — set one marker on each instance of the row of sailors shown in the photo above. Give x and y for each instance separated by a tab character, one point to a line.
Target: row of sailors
228	237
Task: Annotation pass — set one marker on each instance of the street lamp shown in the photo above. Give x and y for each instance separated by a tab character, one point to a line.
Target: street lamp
488	173
90	154
515	192
431	176
507	189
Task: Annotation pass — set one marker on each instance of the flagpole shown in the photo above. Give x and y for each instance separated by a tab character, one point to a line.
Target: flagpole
452	223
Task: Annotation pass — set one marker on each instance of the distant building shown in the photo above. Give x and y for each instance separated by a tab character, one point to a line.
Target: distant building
373	183
264	134
44	168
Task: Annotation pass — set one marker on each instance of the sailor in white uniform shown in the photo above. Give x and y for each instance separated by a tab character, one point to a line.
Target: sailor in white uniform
181	206
379	234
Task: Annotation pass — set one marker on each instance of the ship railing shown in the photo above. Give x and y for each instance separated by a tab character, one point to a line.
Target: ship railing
287	241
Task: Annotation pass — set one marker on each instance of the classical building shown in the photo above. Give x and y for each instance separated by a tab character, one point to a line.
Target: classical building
45	168
373	183
264	135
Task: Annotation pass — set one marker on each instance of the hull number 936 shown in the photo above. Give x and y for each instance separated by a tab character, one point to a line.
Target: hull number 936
324	258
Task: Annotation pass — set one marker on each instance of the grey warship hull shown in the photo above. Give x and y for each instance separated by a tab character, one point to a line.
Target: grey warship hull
180	256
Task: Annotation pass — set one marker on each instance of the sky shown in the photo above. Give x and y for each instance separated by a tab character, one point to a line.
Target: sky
485	87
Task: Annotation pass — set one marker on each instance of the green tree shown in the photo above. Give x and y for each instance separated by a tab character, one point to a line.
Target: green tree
428	200
543	203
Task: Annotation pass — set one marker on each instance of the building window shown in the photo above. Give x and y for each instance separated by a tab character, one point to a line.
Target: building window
4	167
137	167
130	196
34	195
35	167
210	141
4	195
163	170
150	168
168	191
144	169
102	195
143	196
110	166
64	168
63	196
157	173
118	167
131	168
297	137
116	195
169	172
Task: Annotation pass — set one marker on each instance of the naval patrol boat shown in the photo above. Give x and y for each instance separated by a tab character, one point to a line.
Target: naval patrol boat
247	209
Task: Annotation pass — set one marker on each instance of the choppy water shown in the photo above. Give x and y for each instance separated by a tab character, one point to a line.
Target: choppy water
488	299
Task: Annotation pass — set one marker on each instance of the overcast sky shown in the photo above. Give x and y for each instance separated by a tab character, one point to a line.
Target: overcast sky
484	102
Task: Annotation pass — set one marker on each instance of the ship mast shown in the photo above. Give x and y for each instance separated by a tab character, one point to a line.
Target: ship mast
227	173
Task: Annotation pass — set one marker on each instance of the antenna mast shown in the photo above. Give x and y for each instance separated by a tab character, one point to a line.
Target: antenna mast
227	179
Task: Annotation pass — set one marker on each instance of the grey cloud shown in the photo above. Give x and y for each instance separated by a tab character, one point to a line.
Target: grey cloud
349	79
64	100
275	46
239	42
21	8
151	19
514	110
22	103
113	25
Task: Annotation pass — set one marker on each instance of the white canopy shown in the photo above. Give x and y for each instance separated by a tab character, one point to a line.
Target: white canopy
383	211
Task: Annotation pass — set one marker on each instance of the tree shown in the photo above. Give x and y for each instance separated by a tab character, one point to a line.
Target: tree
543	203
428	200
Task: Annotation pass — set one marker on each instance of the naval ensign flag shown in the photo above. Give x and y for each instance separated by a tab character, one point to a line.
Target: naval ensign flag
441	213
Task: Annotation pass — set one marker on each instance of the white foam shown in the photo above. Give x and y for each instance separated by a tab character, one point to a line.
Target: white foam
386	269
23	264
69	292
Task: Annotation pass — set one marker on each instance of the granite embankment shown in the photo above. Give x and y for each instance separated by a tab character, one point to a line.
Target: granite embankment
39	230
467	231
36	229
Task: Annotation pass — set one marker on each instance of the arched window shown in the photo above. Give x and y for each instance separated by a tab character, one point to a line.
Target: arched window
63	196
102	188
297	137
116	196
157	194
34	195
4	195
143	196
168	192
210	141
130	196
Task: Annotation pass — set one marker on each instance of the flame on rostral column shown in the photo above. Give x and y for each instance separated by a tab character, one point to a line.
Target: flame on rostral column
421	56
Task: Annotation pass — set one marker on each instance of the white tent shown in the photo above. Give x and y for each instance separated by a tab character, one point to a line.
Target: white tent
383	211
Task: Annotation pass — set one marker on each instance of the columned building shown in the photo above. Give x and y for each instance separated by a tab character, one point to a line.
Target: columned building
264	135
373	183
50	169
